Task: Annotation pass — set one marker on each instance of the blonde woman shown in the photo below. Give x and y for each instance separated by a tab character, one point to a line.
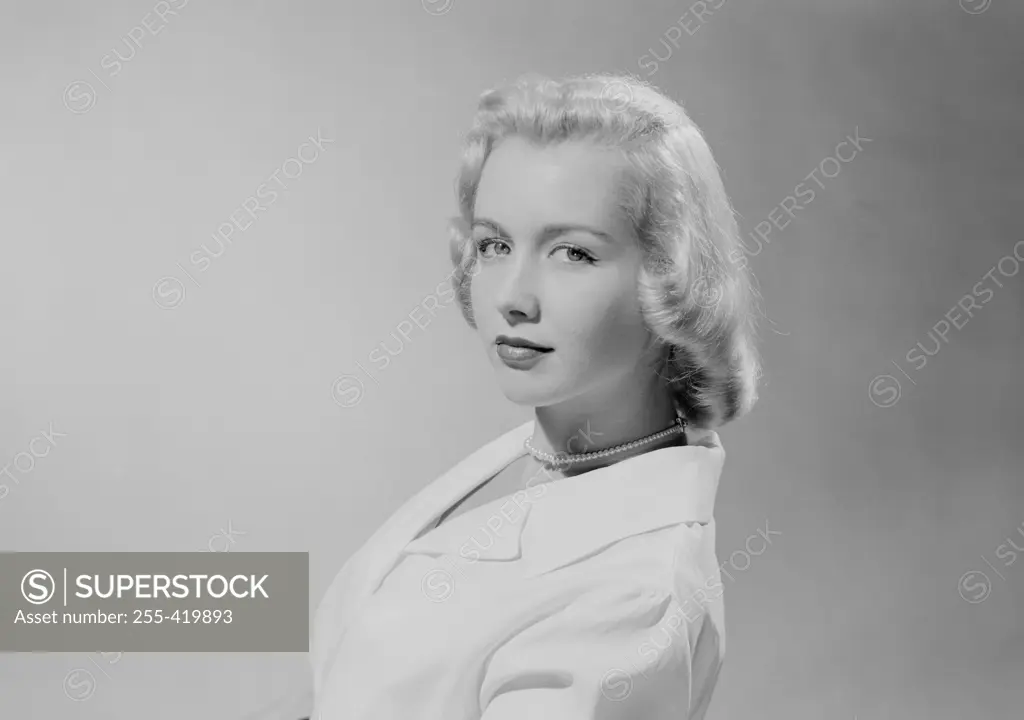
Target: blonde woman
567	569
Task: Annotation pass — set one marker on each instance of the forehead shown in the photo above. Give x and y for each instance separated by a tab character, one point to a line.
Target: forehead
524	186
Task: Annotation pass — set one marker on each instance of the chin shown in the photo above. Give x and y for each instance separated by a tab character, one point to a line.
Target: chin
543	385
529	401
526	391
523	394
530	392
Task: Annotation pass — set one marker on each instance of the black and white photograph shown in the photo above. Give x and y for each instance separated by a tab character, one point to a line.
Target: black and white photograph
546	360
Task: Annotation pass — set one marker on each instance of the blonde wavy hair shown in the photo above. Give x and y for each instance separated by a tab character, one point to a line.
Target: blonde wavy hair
698	303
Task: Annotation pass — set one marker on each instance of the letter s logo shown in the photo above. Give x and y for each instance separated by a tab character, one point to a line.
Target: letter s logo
79	684
42	583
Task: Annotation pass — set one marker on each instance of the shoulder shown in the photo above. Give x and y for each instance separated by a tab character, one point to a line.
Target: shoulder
665	578
677	568
670	586
631	642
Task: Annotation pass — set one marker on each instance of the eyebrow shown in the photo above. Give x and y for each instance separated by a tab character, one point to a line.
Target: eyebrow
548	231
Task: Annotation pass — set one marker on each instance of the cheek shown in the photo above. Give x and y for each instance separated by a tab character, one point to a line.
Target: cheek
619	339
604	330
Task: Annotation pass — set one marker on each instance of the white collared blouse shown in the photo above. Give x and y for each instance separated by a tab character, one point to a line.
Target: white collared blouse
593	596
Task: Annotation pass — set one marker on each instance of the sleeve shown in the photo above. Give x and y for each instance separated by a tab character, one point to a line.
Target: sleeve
617	653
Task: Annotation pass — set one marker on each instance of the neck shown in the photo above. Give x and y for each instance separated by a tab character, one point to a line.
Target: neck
603	419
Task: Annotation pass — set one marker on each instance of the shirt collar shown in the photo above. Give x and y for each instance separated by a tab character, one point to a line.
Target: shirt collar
552	524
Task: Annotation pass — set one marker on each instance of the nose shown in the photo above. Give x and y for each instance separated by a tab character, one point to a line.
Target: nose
517	300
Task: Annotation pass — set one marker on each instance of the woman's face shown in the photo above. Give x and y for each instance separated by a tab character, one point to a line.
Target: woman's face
558	264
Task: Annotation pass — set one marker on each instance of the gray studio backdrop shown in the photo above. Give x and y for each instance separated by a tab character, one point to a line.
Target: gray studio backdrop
156	399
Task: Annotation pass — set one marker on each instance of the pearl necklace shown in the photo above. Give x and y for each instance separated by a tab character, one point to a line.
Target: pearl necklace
567	460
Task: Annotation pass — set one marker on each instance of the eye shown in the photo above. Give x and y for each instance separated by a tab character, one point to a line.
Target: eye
484	244
576	255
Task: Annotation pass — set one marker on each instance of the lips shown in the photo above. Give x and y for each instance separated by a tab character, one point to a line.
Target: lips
520	353
510	352
517	342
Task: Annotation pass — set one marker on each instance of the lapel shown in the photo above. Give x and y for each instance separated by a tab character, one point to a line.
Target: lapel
437	497
367	568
